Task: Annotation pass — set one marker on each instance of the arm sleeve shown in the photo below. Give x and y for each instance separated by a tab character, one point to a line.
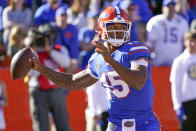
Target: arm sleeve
176	83
61	57
91	67
139	62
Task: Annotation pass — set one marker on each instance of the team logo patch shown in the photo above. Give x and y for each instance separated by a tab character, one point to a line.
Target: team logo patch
68	34
129	124
192	71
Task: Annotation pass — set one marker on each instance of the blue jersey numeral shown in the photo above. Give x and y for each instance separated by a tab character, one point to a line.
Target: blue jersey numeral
170	35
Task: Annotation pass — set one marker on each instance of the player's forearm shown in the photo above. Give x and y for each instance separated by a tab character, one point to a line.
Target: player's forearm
134	78
59	78
68	81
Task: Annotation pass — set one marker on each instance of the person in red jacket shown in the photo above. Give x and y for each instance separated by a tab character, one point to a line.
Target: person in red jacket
45	96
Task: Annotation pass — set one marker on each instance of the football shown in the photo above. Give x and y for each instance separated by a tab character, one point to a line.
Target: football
20	64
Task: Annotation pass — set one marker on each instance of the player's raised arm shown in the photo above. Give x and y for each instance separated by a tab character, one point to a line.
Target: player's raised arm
134	77
68	81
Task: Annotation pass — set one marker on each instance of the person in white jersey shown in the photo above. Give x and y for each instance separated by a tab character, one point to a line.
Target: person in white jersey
3	102
96	112
183	81
165	33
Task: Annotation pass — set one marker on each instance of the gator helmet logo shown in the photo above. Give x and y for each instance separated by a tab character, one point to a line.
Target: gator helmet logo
104	15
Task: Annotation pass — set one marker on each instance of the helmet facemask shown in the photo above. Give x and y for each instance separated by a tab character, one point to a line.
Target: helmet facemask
116	32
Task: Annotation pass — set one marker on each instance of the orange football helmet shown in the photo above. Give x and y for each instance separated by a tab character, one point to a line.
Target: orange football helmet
112	15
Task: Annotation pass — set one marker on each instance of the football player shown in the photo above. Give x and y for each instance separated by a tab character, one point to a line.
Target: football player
123	69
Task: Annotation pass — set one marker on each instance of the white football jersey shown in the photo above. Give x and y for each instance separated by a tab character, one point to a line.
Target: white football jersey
97	100
165	37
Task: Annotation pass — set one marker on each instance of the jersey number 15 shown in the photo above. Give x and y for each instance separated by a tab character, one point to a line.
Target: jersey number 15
118	88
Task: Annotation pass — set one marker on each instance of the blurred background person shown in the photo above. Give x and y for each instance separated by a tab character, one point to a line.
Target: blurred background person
183	81
16	40
132	10
45	96
96	112
3	102
62	51
142	13
165	34
67	35
46	12
77	13
4	58
85	36
144	10
16	13
182	8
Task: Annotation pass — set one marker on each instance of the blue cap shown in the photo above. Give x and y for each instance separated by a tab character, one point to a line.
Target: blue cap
167	2
61	11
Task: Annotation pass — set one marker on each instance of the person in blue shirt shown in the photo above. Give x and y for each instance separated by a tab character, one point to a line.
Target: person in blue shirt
3	4
96	112
85	37
123	69
46	13
67	35
132	11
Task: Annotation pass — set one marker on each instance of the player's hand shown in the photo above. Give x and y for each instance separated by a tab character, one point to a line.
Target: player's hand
36	65
181	115
100	48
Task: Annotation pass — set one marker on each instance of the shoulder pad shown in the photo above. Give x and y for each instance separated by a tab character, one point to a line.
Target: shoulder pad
93	56
131	46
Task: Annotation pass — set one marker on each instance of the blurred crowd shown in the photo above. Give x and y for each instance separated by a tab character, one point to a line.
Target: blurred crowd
76	26
64	29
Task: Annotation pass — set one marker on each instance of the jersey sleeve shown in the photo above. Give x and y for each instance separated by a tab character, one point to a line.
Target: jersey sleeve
91	68
139	51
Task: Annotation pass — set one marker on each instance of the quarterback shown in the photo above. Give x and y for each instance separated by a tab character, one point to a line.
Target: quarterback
123	69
